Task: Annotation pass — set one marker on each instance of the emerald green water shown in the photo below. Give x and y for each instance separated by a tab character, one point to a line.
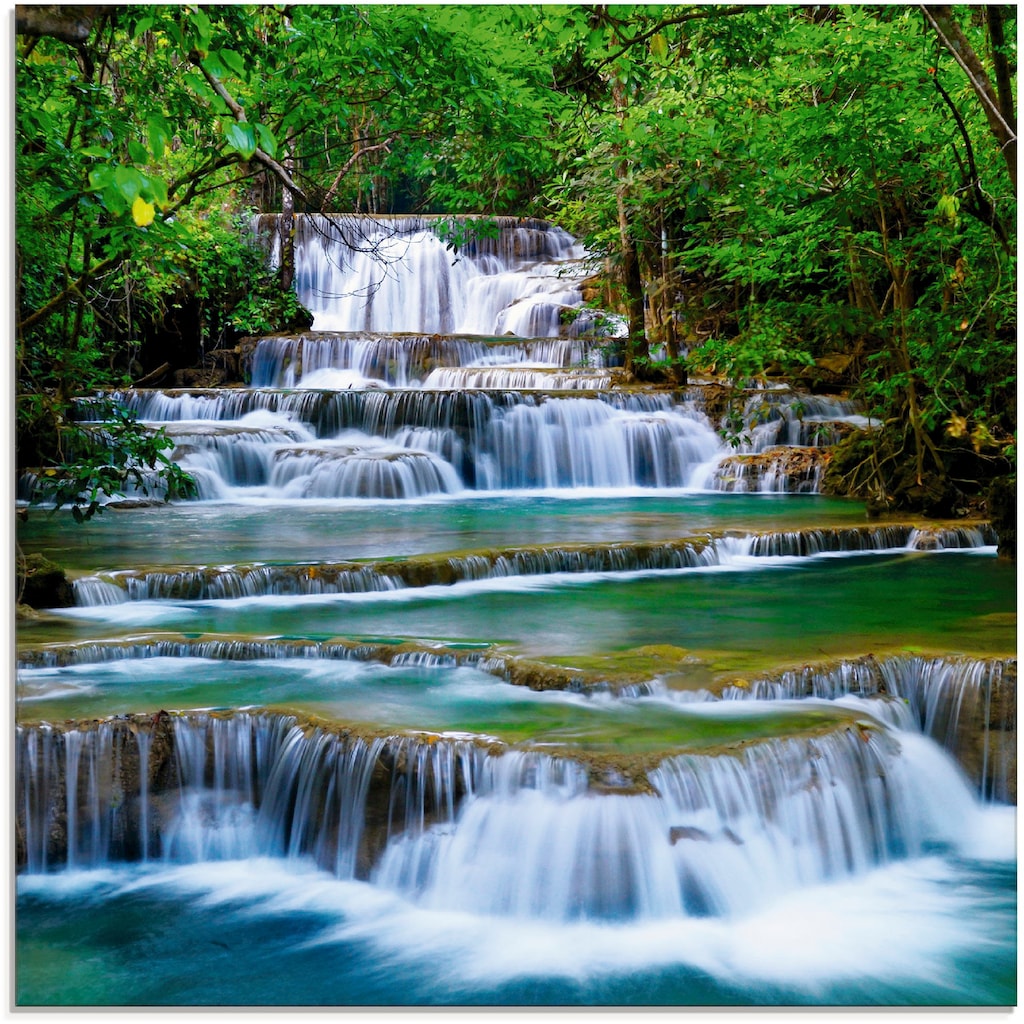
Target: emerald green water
936	930
761	614
438	699
214	533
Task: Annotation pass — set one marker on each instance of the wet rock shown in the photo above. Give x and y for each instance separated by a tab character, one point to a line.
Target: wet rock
200	378
1001	501
126	504
781	469
679	832
42	583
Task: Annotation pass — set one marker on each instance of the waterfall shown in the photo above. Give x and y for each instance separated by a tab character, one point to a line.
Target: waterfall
319	444
386	274
467	693
432	372
967	705
332	359
215	788
455	826
783	815
541	854
217	583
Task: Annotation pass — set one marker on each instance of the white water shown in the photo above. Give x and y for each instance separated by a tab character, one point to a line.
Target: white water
396	274
719	835
855	865
434	373
800	869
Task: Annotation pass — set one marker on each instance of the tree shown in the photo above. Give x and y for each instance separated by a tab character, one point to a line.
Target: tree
140	130
812	187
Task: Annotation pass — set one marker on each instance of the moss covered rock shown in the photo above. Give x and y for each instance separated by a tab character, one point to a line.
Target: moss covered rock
43	584
1001	501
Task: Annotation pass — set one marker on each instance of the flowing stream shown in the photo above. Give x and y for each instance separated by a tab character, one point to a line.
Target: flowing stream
475	676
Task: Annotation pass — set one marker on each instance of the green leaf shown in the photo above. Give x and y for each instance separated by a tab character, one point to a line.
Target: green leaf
100	177
241	137
267	141
129	182
158	136
201	23
137	152
211	63
233	62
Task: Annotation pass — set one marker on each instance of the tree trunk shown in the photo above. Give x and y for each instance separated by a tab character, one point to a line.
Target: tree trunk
286	227
636	342
995	106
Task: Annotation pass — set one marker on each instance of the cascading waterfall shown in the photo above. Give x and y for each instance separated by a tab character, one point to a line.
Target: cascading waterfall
430	443
405	389
503	745
454	827
400	273
339	360
219	583
966	705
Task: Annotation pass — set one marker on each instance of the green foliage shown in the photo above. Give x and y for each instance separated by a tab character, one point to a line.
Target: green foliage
791	182
229	280
801	182
119	458
462	233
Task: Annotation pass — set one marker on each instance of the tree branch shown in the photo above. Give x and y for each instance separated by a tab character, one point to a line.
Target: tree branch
982	208
952	38
63	298
351	160
1004	75
627	45
238	112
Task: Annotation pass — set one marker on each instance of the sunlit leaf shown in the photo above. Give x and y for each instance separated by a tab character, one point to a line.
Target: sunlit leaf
143	212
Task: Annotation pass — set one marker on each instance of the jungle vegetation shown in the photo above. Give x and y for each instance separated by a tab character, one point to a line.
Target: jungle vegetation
823	193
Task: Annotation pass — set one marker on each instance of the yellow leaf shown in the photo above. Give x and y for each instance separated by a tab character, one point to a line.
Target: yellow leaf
143	212
957	426
981	437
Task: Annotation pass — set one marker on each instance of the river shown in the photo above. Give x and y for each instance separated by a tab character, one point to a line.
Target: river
472	677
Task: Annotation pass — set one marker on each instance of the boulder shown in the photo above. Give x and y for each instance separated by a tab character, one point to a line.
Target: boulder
43	584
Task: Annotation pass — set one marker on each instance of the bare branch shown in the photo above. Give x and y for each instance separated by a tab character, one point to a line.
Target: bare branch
351	160
238	112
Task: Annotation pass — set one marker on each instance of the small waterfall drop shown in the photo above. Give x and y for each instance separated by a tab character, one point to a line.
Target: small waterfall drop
512	833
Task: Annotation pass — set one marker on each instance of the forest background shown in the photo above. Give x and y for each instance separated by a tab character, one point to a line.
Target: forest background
824	194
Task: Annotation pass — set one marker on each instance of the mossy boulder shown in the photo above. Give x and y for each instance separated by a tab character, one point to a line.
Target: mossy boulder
43	584
1001	501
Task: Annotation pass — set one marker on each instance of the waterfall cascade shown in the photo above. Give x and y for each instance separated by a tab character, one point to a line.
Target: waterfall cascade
433	371
478	672
439	818
506	276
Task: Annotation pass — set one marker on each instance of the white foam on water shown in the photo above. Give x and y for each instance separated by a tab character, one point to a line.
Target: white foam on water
897	925
131	613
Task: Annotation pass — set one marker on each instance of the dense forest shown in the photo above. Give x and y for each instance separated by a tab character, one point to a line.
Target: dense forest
810	192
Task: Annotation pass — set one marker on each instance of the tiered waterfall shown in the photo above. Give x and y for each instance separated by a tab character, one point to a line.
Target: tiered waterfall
478	674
